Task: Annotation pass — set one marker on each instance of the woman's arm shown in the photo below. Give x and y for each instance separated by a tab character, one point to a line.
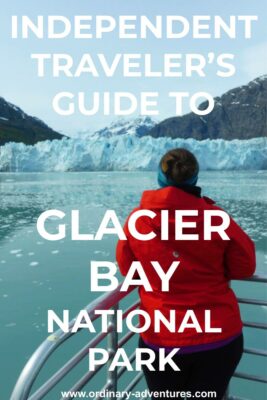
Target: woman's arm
240	257
124	254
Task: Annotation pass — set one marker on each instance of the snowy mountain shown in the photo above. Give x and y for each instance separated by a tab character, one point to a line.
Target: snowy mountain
238	114
130	145
139	127
129	153
17	126
241	113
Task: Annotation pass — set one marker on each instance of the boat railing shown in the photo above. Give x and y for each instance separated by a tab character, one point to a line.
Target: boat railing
110	300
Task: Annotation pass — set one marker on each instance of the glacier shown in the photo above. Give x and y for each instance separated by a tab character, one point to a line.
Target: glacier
129	153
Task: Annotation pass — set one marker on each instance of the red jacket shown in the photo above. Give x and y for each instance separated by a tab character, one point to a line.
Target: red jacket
201	281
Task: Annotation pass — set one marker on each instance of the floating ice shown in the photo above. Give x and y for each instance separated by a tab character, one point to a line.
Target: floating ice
34	263
10	325
15	251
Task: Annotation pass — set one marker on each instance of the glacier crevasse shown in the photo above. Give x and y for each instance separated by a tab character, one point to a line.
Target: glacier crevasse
129	153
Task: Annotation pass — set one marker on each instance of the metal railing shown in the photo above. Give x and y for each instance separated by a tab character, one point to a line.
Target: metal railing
247	350
107	301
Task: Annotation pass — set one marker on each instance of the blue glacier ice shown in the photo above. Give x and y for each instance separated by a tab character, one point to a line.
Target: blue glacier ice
129	153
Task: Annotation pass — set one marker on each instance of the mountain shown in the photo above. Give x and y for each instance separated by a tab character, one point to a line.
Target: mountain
241	113
17	126
139	127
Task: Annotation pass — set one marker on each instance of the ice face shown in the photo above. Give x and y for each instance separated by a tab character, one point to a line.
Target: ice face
129	153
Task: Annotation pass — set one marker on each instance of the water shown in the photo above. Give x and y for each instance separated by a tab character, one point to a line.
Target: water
36	275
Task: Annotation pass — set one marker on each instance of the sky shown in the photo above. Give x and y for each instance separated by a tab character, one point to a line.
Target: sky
21	85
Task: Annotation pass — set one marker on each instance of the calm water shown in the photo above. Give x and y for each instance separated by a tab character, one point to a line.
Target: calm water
36	275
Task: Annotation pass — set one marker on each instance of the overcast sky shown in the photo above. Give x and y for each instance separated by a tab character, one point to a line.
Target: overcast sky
21	86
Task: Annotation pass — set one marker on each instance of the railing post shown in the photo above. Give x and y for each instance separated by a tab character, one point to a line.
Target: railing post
112	343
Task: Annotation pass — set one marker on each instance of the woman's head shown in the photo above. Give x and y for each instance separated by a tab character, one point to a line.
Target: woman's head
177	167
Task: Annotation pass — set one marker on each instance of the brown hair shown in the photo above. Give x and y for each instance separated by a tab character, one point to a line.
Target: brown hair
179	165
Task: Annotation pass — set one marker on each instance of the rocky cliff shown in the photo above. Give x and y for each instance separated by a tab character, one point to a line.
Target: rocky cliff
241	113
17	126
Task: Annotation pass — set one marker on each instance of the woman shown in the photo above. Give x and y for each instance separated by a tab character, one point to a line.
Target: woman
207	361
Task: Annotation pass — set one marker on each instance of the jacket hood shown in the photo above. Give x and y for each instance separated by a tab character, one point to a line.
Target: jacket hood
172	198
